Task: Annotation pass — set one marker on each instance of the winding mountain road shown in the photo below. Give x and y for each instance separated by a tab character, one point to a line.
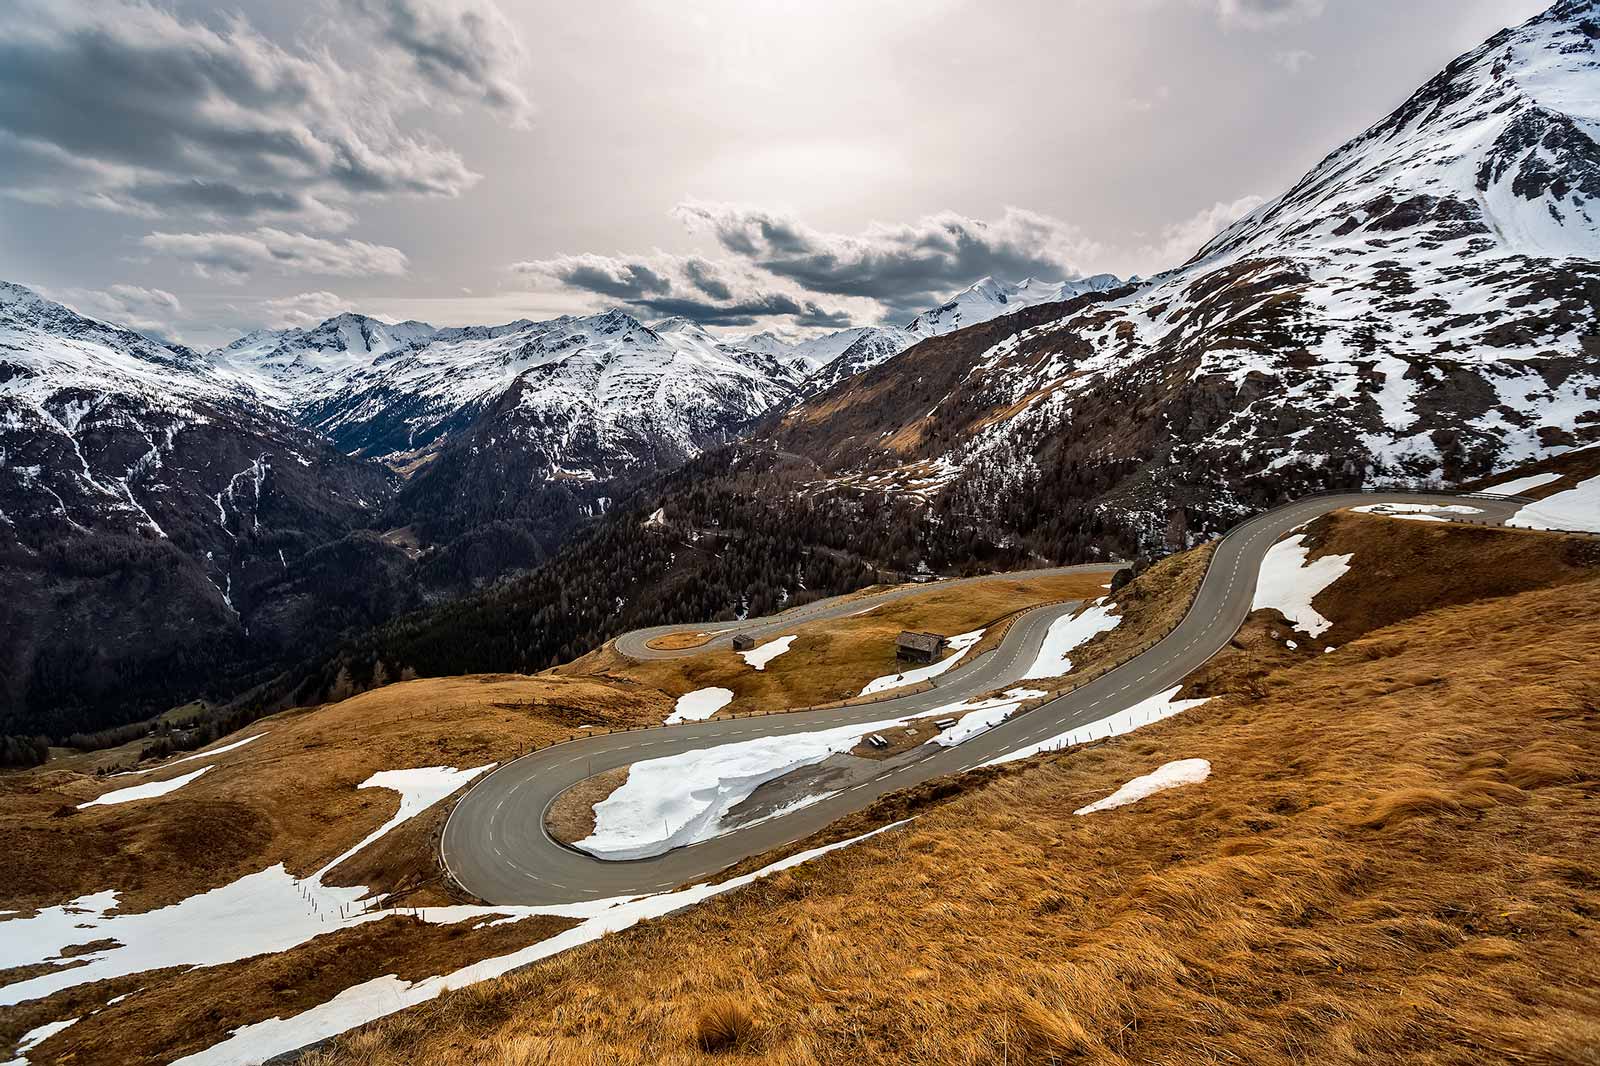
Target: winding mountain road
496	847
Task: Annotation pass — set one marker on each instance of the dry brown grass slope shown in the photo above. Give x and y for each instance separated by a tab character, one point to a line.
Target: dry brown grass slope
1393	862
833	659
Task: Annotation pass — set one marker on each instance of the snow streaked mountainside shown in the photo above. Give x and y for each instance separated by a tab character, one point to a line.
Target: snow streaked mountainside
1423	305
836	357
151	516
105	431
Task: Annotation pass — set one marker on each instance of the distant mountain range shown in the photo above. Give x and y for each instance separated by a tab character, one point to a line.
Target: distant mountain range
1421	307
234	477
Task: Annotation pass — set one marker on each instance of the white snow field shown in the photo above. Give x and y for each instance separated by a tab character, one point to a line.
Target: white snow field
1145	712
681	799
1163	777
959	645
1517	486
980	717
197	755
1417	512
763	654
267	911
1288	584
1067	634
148	790
384	995
1576	508
698	705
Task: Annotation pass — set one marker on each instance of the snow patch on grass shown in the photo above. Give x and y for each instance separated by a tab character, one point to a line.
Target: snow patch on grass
698	705
1145	712
1067	634
959	646
1426	511
263	912
759	657
1163	777
680	799
197	755
148	790
383	996
1288	583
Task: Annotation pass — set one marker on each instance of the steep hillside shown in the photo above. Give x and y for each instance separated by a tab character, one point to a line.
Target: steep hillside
1421	307
145	507
1388	857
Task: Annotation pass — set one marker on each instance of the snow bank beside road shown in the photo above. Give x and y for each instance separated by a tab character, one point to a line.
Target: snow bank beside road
1517	486
980	717
1163	777
1067	634
1288	583
959	645
1575	508
1143	713
1417	512
698	705
680	799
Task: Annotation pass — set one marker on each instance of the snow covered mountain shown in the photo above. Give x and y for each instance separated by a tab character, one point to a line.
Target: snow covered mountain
987	298
1423	305
835	357
145	502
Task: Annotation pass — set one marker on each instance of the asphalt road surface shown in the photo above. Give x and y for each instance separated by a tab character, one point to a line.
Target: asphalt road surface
495	843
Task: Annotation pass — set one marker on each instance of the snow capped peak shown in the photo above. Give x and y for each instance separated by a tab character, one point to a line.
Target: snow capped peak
1498	149
679	324
989	298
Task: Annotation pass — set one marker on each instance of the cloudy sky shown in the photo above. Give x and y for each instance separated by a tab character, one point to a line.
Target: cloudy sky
197	170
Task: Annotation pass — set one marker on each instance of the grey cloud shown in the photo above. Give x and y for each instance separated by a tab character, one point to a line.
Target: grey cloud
688	286
463	47
135	307
905	267
233	257
150	113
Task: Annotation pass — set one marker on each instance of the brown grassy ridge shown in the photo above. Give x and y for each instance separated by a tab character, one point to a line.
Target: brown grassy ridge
291	796
833	659
1392	862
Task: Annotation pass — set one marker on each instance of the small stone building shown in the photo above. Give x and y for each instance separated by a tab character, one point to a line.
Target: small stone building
919	647
743	642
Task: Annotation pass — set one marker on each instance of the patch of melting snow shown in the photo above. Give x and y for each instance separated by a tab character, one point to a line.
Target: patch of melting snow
1426	511
681	799
698	705
267	911
980	717
959	645
383	996
1146	712
148	790
1576	508
759	657
34	1037
1517	486
1067	634
1288	583
1163	777
197	755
